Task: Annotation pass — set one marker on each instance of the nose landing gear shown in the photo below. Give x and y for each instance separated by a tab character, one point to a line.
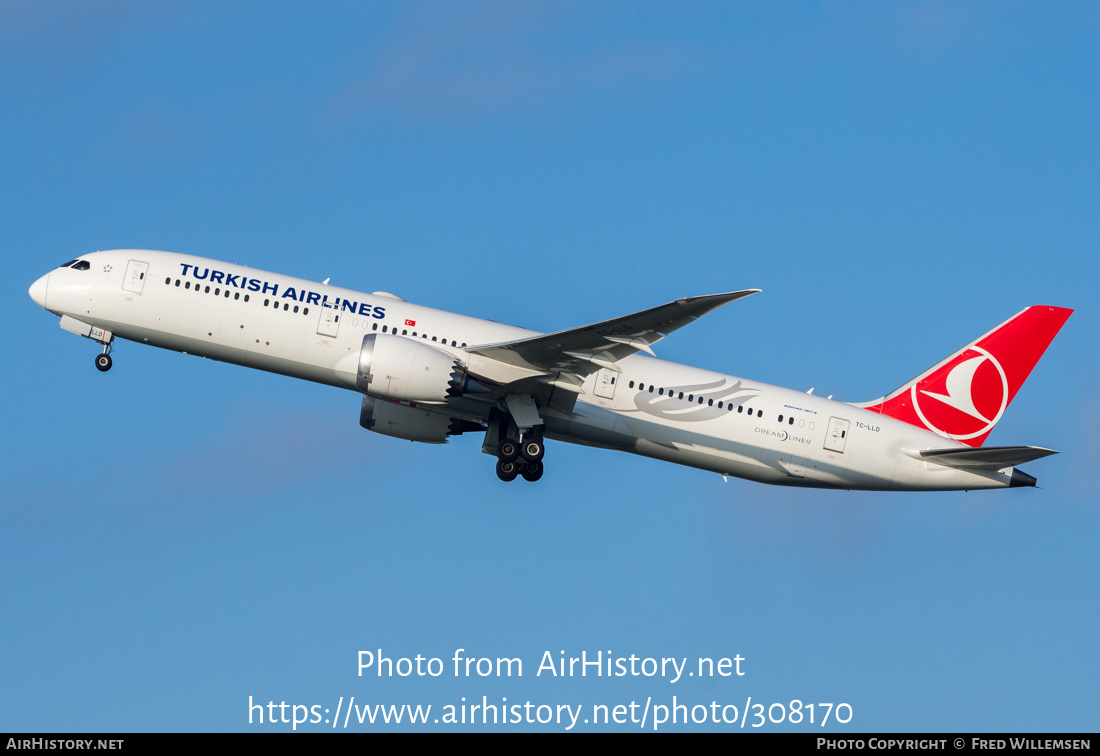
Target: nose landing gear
103	361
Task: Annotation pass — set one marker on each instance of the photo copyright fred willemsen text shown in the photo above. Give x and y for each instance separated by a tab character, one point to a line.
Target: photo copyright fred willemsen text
481	710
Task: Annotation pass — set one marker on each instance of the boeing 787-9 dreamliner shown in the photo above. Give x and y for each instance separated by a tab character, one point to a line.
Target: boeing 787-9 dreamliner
426	374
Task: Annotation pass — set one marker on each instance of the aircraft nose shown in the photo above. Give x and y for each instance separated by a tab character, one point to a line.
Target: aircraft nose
38	290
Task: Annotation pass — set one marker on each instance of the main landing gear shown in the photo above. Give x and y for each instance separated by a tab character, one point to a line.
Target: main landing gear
103	361
509	470
524	457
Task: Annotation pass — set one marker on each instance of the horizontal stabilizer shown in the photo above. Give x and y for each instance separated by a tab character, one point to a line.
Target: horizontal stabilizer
988	458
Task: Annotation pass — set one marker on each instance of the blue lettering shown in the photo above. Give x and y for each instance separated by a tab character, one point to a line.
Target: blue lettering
313	299
354	305
216	276
274	288
232	280
364	310
379	312
205	273
290	293
185	267
253	284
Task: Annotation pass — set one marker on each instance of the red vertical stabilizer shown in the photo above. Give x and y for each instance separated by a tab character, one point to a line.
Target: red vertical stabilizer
964	396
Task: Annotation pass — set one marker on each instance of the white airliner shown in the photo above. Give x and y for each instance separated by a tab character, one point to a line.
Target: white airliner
425	374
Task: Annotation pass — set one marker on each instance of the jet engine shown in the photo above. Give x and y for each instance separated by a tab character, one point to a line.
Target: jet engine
411	423
395	367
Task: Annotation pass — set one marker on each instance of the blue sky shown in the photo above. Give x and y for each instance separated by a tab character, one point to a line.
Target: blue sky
178	535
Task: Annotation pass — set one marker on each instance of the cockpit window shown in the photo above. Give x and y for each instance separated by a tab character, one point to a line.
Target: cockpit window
82	265
70	262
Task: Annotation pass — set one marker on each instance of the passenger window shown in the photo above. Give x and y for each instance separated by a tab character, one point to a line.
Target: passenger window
177	283
631	384
187	285
790	420
295	308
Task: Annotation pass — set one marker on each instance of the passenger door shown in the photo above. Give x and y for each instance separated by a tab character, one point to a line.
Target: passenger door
135	276
329	322
836	435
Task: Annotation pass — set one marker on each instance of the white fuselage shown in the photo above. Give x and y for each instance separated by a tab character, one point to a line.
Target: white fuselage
654	408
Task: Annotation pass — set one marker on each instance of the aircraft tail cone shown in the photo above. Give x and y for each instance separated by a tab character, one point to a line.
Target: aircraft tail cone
1020	478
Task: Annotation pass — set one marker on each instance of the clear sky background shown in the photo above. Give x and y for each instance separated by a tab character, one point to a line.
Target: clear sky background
178	535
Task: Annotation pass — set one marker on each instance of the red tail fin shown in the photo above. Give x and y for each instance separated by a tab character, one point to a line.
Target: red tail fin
964	396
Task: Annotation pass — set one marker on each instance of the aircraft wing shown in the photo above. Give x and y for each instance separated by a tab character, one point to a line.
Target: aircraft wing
986	458
578	352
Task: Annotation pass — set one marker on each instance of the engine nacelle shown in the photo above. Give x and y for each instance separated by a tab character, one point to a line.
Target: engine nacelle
395	367
411	423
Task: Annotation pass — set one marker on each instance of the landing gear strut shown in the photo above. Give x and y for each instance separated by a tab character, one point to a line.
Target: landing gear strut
103	361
